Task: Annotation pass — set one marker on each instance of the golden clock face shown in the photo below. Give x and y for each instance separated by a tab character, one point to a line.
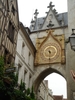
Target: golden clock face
50	51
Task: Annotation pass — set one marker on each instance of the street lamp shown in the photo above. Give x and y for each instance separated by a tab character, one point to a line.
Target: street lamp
72	40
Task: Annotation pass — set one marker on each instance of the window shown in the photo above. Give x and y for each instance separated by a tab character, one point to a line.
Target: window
7	58
19	66
29	60
11	31
23	49
26	78
30	81
25	72
19	73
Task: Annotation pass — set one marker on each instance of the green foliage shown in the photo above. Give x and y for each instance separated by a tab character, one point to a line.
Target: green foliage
19	95
32	94
1	67
22	86
1	62
28	91
9	89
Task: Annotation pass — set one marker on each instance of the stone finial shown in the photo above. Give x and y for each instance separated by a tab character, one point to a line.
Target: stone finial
36	12
50	5
32	23
54	10
46	12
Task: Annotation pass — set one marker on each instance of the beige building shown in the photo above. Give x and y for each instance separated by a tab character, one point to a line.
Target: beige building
24	60
44	93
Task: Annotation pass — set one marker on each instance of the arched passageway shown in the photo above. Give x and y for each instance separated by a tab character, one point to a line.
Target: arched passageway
57	84
43	72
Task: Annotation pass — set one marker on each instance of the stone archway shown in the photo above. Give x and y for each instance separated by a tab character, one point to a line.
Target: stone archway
44	70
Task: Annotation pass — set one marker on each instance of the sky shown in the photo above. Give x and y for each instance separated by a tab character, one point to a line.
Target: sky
57	84
26	10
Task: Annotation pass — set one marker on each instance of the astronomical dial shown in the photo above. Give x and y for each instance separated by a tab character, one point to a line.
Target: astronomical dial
50	51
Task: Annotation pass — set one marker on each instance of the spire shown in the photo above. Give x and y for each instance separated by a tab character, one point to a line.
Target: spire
33	22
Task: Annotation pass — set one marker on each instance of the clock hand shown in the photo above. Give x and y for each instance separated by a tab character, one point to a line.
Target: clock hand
49	54
49	51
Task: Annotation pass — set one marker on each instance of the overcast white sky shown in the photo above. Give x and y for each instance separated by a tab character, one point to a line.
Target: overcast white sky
57	84
26	10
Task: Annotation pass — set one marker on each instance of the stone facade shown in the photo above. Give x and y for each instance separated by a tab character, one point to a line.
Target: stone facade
44	93
61	24
24	60
49	63
70	54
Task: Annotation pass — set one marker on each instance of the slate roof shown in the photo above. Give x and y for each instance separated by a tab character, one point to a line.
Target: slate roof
64	17
60	17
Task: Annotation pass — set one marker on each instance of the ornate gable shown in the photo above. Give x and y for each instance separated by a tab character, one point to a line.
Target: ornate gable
50	49
50	20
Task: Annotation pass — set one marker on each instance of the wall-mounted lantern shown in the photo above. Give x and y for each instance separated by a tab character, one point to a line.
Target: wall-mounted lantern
72	40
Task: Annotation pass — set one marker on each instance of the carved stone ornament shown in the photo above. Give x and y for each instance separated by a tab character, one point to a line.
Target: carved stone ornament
50	49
